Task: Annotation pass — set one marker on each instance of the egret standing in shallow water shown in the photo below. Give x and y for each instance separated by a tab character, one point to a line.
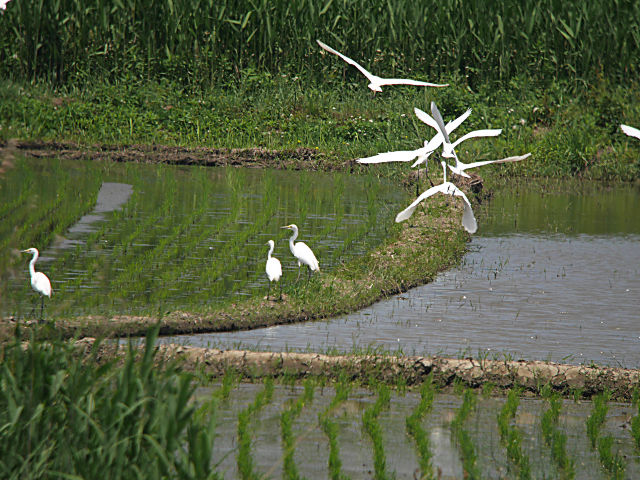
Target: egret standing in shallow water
273	268
39	281
375	82
302	252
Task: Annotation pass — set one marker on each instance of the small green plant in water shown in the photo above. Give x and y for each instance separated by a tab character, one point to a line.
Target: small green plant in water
372	427
461	436
330	428
554	437
597	417
286	421
511	437
414	428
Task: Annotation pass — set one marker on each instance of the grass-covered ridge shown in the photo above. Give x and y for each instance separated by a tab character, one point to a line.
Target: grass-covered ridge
208	42
568	133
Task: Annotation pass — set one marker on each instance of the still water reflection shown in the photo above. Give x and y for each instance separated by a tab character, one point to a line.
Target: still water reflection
553	274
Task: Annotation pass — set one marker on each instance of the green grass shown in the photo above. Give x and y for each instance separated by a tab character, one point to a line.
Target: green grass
460	435
330	428
374	431
511	437
555	438
286	422
64	417
205	42
415	430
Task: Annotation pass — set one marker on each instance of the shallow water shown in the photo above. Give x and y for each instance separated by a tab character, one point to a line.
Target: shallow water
553	274
356	451
164	238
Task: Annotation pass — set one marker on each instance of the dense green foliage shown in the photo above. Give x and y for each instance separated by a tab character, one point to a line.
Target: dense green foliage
205	41
62	418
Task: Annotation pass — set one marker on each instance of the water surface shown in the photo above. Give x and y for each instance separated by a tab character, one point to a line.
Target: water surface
552	274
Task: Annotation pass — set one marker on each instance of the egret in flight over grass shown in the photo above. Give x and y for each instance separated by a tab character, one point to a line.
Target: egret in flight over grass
273	268
437	122
302	252
377	82
39	281
632	132
447	188
459	168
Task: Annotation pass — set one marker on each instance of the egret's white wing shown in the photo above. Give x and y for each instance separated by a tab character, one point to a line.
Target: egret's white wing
439	122
428	119
475	134
407	212
364	71
273	269
405	81
468	219
453	124
398	156
305	255
632	132
423	157
467	166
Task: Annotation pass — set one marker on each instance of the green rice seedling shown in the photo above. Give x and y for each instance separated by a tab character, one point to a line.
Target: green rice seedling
244	458
73	418
597	417
461	436
286	420
613	463
554	437
511	437
330	428
635	428
414	428
372	428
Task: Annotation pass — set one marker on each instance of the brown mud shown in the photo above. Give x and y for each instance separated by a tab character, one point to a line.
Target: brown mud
577	380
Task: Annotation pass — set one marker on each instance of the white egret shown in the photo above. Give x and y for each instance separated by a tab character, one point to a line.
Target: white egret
447	188
273	268
459	168
632	132
377	82
3	4
39	281
438	123
422	153
302	252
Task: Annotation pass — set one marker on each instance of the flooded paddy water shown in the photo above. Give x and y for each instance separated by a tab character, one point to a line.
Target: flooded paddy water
401	459
159	238
552	274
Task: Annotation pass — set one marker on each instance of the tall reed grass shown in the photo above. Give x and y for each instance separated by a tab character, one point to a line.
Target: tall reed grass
65	418
200	41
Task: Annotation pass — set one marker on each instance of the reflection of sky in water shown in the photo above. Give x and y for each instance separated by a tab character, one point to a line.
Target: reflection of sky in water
562	295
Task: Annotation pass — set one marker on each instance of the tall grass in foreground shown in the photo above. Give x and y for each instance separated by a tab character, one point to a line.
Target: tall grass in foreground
511	437
461	436
373	429
330	428
613	463
286	423
65	418
554	437
414	428
200	40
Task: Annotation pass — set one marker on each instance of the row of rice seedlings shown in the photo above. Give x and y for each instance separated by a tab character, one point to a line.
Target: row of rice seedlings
330	428
613	463
70	419
207	39
555	438
372	428
511	437
244	458
462	438
286	421
416	431
635	421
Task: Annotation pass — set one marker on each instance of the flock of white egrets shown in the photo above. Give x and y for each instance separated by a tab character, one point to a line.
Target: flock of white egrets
300	250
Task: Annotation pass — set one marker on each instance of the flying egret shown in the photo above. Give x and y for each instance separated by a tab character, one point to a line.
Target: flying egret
422	153
3	4
273	268
377	82
438	123
39	281
459	168
632	132
447	188
302	252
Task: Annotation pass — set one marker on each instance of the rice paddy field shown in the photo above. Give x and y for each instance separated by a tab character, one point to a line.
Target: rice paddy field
126	130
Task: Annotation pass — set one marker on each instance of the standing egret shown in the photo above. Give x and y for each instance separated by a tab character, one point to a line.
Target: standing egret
447	188
302	252
632	132
39	281
273	268
438	123
460	167
375	81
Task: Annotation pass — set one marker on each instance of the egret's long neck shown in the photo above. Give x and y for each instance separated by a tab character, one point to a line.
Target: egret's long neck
292	238
444	170
271	247
32	264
